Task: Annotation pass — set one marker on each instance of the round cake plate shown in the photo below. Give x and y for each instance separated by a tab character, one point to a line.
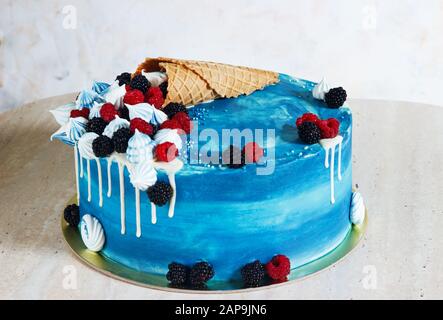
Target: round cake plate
118	271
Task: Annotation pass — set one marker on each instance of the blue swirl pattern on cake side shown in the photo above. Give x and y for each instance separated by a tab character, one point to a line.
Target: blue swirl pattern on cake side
230	217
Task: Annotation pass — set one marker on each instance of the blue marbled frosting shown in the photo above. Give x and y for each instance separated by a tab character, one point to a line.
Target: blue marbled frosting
231	217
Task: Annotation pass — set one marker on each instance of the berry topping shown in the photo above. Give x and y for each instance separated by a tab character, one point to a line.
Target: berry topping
166	152
72	215
309	133
309	117
102	146
336	97
123	112
278	268
141	125
96	125
329	128
253	152
124	78
201	273
164	88
160	193
120	139
172	108
108	112
140	82
154	96
184	120
178	274
170	124
134	97
233	157
84	112
253	274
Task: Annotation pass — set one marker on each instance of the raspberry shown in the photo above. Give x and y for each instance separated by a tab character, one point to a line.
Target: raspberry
72	215
278	268
141	125
108	112
166	152
154	96
233	157
328	128
84	112
309	133
336	97
201	273
140	82
309	117
253	152
170	124
178	274
253	274
123	78
172	108
184	120
134	97
96	125
160	193
102	146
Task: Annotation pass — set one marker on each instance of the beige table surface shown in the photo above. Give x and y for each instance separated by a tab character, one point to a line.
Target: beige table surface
397	164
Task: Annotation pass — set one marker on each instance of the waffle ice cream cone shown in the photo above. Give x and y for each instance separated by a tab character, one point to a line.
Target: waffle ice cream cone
192	82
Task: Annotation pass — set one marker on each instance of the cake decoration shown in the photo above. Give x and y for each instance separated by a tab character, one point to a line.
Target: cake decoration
154	96
102	146
94	112
309	132
200	273
123	78
320	89
120	138
169	135
253	274
86	99
146	112
156	79
92	233
80	113
177	275
114	125
108	112
140	148
357	212
71	215
329	146
160	193
133	97
71	131
166	151
96	125
62	113
100	87
139	82
278	268
115	95
142	126
336	97
173	108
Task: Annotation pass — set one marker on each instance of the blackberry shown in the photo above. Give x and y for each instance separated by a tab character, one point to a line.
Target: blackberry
253	274
309	132
120	139
178	274
160	193
102	146
96	125
140	82
123	113
233	157
155	128
201	273
336	97
72	215
124	78
172	108
164	88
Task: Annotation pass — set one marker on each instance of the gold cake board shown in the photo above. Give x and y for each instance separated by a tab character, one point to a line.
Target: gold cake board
118	271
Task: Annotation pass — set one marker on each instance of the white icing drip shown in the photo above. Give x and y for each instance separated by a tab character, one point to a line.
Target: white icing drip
109	178
138	232
88	169
329	147
76	173
100	182
153	213
122	198
171	178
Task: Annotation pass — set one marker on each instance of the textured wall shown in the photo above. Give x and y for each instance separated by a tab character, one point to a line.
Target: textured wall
375	49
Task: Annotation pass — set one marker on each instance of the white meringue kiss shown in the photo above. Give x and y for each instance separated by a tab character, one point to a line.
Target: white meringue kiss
169	135
85	145
142	175
114	125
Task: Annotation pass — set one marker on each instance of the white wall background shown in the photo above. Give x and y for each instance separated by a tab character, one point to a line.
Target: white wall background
374	48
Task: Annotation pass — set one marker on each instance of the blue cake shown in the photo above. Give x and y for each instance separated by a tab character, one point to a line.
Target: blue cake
223	184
